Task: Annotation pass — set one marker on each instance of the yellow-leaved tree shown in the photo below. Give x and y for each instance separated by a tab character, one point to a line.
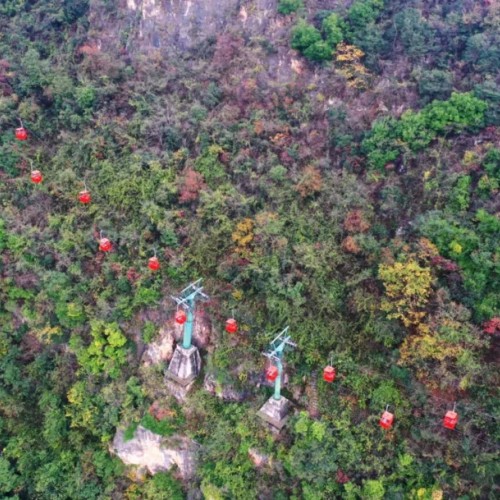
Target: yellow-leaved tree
243	237
348	59
408	286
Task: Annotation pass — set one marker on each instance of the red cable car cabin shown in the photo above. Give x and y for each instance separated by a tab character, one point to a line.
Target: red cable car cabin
272	373
36	176
329	374
180	317
84	197
231	325
450	420
105	245
386	420
21	134
154	263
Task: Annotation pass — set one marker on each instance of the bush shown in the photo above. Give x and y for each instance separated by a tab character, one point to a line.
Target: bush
460	195
363	12
148	332
491	163
304	35
434	84
288	6
483	51
85	97
165	427
489	92
414	131
162	486
319	51
332	29
414	32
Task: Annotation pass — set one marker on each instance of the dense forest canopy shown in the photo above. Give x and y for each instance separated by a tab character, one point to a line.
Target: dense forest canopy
332	166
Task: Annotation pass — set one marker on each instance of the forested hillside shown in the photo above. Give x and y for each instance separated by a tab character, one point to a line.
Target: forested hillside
332	166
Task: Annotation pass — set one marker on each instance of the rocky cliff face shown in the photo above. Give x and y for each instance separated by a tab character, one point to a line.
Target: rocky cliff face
169	27
179	24
162	348
184	23
154	453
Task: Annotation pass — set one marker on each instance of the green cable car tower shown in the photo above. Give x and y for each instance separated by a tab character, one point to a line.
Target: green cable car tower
275	410
185	364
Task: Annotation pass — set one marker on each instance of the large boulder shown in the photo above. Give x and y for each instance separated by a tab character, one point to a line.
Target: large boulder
155	453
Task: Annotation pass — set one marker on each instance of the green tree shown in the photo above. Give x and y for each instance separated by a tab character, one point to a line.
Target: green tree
483	51
434	84
107	352
319	51
312	457
414	33
332	29
415	130
460	195
304	35
9	480
162	486
288	6
363	12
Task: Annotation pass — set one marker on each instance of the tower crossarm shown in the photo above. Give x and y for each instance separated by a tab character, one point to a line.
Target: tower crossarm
192	292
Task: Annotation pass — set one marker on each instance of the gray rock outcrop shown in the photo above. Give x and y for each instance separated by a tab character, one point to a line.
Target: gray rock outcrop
155	453
162	349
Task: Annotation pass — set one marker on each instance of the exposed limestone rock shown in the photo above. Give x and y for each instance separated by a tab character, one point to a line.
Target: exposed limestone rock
164	27
186	22
179	391
223	391
259	459
162	349
156	453
202	330
297	66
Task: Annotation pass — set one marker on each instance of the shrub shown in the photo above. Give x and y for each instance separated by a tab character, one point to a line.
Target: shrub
304	35
85	97
362	12
319	51
332	29
414	32
491	163
434	84
149	332
107	353
460	195
415	130
288	6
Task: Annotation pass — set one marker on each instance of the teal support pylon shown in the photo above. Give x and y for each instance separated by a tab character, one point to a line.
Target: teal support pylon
276	356
187	300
